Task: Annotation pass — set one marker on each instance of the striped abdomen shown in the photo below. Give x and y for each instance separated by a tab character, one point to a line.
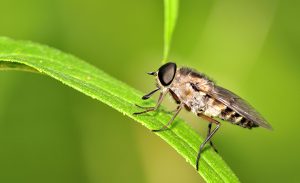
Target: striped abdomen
215	108
228	114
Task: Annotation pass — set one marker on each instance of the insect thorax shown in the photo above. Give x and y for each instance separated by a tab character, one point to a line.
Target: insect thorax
185	88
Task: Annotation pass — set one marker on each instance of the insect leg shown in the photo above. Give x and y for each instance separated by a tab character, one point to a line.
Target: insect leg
211	143
142	107
147	96
160	99
170	122
209	136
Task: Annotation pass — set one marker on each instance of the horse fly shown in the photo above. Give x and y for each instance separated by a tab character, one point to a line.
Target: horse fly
197	93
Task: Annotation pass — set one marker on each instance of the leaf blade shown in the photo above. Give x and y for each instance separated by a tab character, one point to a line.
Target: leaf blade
170	18
97	84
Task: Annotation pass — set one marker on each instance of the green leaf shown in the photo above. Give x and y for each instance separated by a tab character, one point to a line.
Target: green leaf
170	16
72	71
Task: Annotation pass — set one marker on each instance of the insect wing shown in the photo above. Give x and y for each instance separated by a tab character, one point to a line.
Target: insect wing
239	105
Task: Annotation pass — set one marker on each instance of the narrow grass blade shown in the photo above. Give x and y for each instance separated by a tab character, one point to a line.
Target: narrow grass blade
170	17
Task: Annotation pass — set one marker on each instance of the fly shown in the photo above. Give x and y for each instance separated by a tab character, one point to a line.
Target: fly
197	93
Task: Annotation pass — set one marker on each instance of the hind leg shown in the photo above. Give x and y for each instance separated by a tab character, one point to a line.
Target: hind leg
209	136
210	142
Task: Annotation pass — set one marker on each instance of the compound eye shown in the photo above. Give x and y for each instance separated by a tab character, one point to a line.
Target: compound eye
166	73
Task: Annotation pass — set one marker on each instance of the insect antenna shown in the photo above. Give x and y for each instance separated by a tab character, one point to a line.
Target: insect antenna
154	73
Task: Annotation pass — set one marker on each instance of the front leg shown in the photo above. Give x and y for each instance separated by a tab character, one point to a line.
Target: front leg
160	99
172	119
145	97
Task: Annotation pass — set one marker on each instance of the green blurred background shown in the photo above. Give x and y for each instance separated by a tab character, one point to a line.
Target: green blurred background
52	133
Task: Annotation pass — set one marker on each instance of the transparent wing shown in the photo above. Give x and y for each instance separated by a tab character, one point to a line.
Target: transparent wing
239	105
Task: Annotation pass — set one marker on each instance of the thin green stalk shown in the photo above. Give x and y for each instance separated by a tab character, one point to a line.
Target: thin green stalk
170	18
